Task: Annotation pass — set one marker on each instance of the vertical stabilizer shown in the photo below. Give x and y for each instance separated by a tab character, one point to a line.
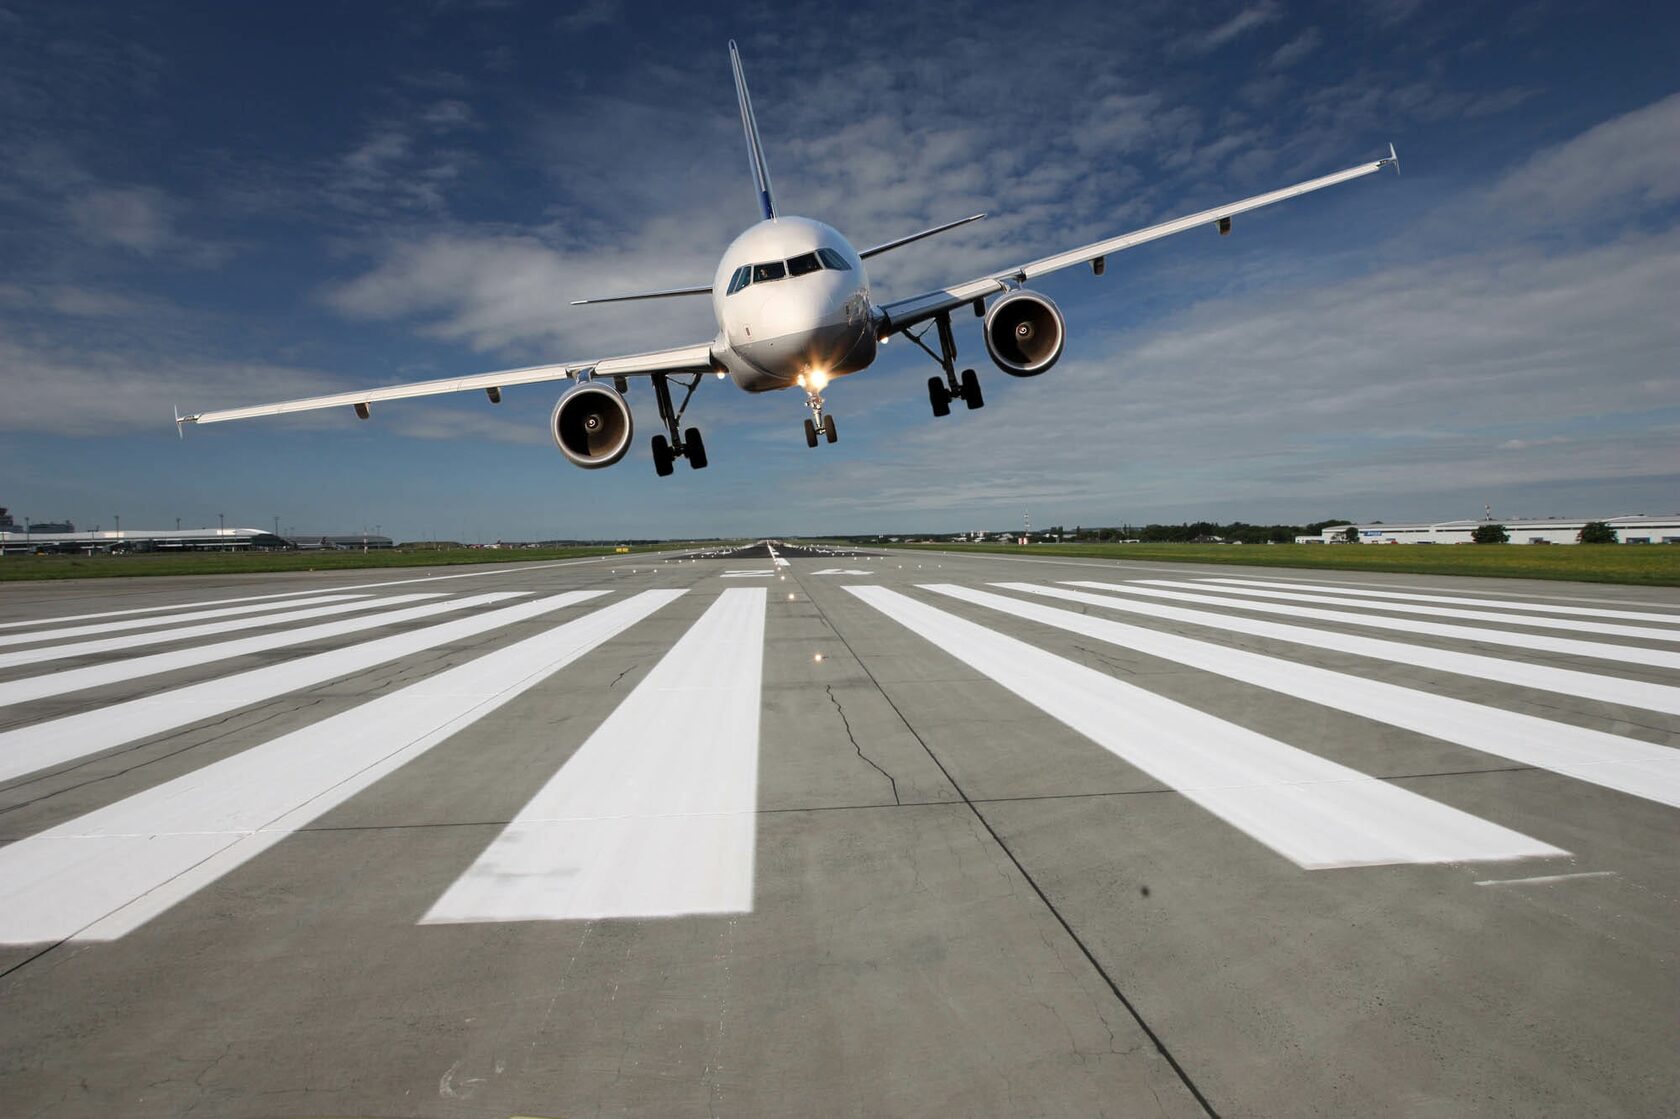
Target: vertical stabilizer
755	149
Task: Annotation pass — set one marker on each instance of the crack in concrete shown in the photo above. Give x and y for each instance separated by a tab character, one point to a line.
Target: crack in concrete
829	688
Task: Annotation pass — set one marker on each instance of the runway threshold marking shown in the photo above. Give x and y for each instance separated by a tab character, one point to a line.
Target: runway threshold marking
655	814
1506	603
1314	812
1611	629
105	874
55	741
160	609
132	668
1565	681
1546	879
1536	642
1641	769
74	632
208	629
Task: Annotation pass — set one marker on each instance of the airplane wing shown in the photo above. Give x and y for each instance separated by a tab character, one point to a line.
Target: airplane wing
683	359
919	308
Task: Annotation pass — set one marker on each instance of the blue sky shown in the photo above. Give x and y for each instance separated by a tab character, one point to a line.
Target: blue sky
214	204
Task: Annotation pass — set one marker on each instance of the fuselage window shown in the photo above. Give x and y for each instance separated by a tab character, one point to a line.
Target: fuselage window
804	265
834	260
774	270
741	278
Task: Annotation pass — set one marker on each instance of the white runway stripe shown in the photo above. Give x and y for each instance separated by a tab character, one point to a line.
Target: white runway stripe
1641	769
73	632
172	606
56	741
1672	619
655	815
110	871
1310	810
1565	681
1541	643
98	675
1609	629
208	629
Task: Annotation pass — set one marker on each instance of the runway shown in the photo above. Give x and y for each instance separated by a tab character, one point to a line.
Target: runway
794	830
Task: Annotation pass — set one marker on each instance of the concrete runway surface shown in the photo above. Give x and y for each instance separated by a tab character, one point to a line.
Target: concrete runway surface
789	831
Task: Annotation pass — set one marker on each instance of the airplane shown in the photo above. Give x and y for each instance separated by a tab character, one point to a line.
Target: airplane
794	309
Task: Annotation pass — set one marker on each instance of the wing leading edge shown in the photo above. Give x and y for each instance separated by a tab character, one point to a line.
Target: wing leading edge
682	359
919	308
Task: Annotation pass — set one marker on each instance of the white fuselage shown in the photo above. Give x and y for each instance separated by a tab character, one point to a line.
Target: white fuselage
791	298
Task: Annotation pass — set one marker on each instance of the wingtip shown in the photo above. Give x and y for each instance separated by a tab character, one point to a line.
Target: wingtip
1393	158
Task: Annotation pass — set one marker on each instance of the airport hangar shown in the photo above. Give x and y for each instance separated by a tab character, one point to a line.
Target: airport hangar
1639	529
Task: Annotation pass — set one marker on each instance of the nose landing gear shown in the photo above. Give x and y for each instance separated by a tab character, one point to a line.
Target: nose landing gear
817	421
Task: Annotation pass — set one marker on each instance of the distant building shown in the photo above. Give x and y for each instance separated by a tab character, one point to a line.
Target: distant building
1640	529
355	543
6	522
46	538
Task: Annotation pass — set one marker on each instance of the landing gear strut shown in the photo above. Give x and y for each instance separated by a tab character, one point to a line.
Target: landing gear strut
943	390
668	448
817	421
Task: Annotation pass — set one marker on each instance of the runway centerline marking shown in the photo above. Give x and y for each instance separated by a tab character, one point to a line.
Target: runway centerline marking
98	675
1641	769
41	745
655	814
1565	681
1314	812
1599	650
110	871
74	632
1613	629
747	573
208	629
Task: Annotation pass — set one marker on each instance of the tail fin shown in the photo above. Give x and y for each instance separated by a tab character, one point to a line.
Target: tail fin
755	149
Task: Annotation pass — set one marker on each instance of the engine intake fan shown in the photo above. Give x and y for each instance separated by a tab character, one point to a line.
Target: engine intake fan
592	426
1024	333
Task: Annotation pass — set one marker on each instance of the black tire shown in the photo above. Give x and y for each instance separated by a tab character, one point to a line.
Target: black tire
939	396
971	390
810	433
828	429
661	456
694	448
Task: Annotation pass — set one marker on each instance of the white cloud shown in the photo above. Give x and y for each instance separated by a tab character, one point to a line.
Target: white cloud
135	218
1629	161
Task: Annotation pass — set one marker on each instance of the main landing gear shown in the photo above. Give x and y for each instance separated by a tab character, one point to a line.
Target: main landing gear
943	390
817	421
672	446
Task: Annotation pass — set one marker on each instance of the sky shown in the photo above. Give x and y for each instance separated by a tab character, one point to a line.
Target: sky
205	205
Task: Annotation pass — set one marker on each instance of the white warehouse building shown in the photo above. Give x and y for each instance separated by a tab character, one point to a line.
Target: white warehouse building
1640	529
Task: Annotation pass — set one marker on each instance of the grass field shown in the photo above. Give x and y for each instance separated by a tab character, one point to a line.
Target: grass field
1651	565
240	563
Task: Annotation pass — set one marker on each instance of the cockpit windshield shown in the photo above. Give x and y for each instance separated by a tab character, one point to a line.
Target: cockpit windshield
802	265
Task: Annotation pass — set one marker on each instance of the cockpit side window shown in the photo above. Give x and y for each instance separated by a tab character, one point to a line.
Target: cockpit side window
804	265
834	260
771	270
741	278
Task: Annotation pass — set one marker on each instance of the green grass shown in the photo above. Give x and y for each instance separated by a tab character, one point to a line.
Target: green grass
240	563
1648	564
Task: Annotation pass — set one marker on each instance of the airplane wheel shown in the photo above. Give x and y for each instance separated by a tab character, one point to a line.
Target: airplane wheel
810	433
661	456
828	429
971	390
694	448
939	396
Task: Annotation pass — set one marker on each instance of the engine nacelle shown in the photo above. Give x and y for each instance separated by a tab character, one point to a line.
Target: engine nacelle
591	425
1024	333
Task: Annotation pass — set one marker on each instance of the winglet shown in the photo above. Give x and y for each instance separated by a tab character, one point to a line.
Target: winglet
1393	159
179	420
755	150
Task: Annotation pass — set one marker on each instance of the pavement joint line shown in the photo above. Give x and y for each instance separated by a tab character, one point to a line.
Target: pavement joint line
1090	957
1546	879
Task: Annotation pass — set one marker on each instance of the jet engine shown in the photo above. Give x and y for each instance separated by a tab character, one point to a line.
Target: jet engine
1024	333
592	426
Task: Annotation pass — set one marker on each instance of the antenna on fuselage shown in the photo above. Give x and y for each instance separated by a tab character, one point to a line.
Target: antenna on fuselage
755	149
